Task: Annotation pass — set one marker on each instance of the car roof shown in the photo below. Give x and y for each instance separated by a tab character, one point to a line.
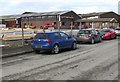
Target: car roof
117	28
105	29
50	32
87	29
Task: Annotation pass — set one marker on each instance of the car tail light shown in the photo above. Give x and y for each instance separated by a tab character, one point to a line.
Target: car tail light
89	35
77	35
32	41
48	42
107	34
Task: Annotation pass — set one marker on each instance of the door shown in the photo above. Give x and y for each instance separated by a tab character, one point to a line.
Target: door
96	35
65	40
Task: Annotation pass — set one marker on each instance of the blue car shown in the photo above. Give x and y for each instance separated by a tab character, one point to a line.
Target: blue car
53	42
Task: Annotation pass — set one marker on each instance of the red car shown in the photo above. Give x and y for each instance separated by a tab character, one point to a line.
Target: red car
107	34
48	25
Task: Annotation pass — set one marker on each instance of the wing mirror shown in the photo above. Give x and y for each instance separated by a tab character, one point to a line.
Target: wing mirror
69	37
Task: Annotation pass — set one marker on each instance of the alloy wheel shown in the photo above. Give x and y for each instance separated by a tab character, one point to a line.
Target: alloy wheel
55	49
92	41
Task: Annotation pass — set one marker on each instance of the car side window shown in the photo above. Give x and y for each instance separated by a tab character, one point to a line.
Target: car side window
57	35
63	35
98	32
94	32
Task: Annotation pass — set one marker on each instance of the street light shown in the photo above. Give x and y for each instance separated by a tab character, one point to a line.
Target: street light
22	32
71	25
59	22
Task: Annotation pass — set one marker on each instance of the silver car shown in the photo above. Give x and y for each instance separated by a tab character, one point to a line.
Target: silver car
117	30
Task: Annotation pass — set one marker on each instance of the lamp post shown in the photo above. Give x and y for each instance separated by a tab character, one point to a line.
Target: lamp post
92	24
22	31
71	25
59	22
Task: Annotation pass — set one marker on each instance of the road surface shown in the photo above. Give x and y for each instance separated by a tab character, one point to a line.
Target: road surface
88	62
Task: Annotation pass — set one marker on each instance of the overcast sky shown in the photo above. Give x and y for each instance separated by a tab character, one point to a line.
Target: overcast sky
11	7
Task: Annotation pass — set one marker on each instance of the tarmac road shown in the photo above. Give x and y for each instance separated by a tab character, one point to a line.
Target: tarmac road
89	62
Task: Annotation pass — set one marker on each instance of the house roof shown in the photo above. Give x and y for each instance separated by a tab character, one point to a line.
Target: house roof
98	20
27	14
33	14
10	17
94	14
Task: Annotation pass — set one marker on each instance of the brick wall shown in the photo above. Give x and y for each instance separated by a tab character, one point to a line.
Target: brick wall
11	23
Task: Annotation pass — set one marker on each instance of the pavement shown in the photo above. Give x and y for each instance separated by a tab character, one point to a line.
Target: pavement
12	51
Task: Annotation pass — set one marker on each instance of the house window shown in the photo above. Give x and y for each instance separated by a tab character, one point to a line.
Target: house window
55	23
63	23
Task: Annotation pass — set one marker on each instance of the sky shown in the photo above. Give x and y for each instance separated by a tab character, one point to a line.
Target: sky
14	7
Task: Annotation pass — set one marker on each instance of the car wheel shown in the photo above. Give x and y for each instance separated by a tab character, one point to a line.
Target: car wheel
74	45
110	36
115	37
92	41
100	39
37	51
55	49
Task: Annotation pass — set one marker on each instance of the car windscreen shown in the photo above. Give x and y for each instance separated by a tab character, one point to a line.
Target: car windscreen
84	31
42	36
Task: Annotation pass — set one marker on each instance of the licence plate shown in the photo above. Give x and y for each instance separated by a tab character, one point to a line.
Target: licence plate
38	46
82	36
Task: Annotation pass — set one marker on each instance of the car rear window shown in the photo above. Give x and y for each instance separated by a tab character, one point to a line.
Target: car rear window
117	29
84	32
105	30
42	36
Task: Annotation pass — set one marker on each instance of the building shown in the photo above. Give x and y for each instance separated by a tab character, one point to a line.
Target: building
10	20
99	20
58	19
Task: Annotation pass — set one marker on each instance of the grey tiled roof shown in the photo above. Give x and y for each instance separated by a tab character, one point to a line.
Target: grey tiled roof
10	17
29	14
93	14
97	20
43	13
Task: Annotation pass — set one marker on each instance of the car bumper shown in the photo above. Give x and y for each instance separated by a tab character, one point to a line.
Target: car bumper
105	37
42	48
118	34
83	40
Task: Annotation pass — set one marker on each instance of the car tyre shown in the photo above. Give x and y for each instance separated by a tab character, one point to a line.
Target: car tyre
92	41
111	37
74	45
55	49
37	51
115	37
100	39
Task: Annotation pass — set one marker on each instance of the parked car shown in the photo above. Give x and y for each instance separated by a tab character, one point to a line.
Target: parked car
88	35
53	42
117	30
48	26
107	34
